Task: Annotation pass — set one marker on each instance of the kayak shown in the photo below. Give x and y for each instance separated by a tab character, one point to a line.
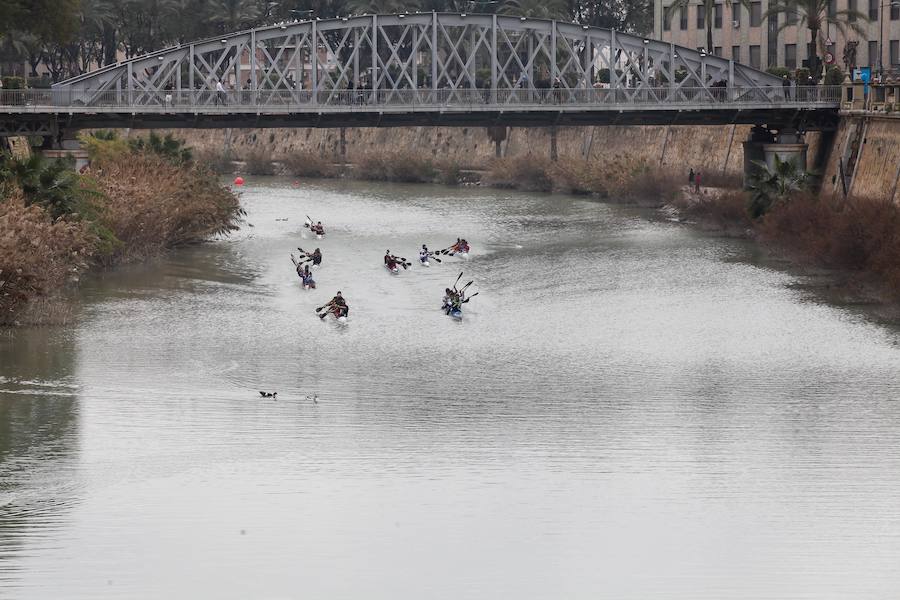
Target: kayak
456	314
319	236
425	263
395	270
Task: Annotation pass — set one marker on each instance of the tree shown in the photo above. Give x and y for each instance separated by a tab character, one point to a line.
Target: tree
539	9
381	7
771	185
814	14
52	184
234	15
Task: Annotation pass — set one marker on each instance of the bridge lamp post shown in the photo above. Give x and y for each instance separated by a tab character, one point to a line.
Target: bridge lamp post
881	33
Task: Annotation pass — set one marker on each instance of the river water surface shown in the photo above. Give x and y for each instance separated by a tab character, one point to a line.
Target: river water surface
628	410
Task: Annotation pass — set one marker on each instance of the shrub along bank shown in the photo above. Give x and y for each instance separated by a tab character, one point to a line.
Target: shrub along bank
138	199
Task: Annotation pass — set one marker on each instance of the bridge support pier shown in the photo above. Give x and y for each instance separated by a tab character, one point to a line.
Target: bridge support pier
754	150
763	146
788	147
66	145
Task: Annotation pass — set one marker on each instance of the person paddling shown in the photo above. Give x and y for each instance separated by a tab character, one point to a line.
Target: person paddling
308	278
318	228
316	257
424	254
338	306
390	261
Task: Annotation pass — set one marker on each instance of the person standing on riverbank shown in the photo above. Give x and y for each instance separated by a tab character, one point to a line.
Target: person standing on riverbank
697	182
691	177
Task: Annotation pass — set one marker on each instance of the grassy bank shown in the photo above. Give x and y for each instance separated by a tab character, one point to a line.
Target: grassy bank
138	199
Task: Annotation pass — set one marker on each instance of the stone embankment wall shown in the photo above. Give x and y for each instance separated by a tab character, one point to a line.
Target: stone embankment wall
709	148
867	152
867	147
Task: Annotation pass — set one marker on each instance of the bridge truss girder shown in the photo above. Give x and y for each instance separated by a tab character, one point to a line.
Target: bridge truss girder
391	53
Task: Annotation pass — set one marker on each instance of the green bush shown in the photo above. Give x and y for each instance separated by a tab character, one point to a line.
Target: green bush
14	83
801	75
779	71
834	76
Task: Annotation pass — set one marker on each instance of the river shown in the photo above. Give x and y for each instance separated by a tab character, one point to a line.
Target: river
629	409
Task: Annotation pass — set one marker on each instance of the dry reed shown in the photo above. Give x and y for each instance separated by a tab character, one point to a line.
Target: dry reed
37	255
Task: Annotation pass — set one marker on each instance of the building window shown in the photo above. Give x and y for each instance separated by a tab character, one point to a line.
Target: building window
873	10
755	14
682	19
754	57
772	41
832	8
895	12
717	50
701	17
851	6
790	56
873	53
736	15
736	53
717	16
790	17
895	53
667	18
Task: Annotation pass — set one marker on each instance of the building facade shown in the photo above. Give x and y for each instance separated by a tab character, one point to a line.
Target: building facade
750	38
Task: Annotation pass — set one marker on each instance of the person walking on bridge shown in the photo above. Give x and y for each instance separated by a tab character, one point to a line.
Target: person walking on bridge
786	86
220	93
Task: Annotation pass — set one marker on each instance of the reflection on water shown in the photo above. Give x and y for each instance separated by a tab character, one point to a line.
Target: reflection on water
627	410
38	441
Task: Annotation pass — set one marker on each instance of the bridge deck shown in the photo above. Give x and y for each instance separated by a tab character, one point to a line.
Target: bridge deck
473	107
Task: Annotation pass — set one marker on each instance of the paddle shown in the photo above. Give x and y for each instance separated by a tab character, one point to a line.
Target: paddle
465	286
434	257
470	297
457	279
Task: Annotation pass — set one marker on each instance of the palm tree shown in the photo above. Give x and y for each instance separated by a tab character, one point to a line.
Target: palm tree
538	9
771	185
52	184
815	14
233	15
382	7
709	9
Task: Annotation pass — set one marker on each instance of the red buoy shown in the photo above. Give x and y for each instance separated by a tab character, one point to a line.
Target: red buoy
238	180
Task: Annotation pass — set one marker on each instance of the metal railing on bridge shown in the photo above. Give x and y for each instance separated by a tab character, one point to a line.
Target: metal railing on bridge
290	101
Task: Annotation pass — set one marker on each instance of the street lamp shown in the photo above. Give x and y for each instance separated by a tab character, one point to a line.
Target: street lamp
881	33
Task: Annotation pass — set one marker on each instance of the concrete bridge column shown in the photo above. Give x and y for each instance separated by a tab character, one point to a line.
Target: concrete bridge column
789	146
754	150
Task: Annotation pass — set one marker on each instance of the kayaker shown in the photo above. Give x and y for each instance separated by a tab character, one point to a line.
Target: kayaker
316	257
390	260
339	305
308	278
318	228
463	246
424	254
448	293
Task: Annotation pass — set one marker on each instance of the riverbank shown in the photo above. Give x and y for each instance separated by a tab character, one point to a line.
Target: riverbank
137	200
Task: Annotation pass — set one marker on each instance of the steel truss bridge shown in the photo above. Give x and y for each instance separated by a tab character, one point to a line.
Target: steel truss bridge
419	69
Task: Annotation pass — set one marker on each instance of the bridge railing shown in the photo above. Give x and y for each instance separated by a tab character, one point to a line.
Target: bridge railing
284	100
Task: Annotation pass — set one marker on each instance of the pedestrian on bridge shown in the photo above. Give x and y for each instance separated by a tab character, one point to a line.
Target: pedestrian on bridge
786	86
221	94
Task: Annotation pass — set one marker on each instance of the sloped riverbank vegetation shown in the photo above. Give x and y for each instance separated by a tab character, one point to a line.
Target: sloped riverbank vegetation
139	198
